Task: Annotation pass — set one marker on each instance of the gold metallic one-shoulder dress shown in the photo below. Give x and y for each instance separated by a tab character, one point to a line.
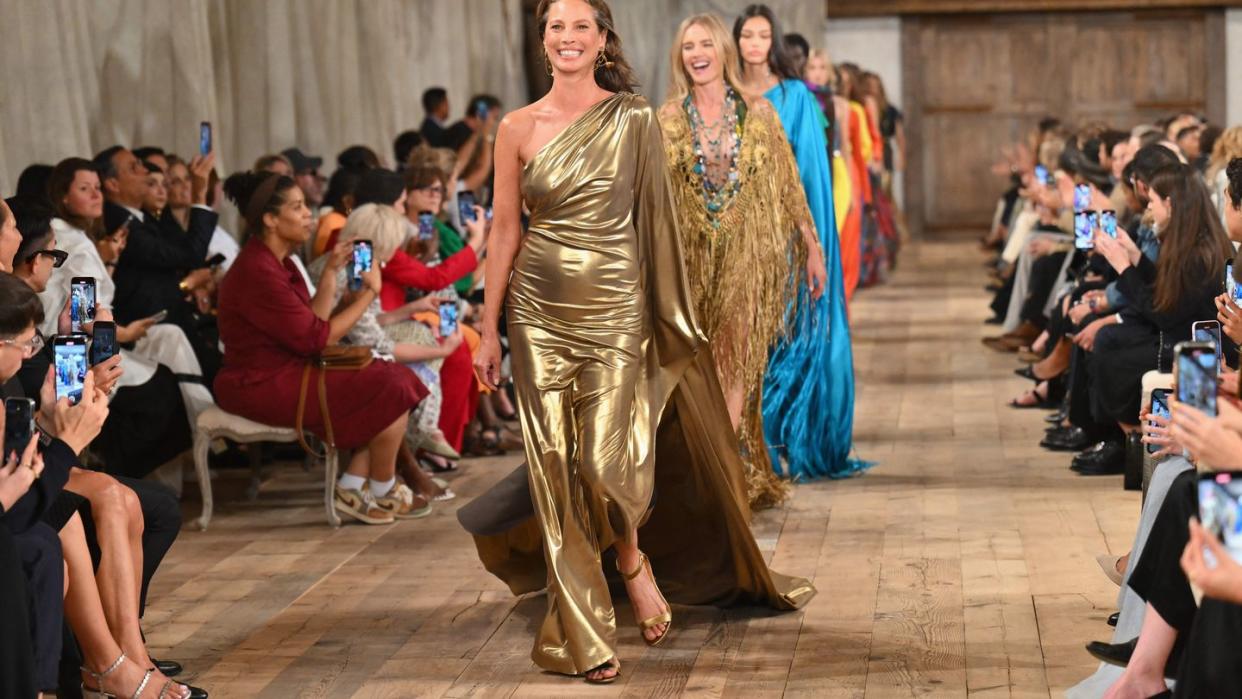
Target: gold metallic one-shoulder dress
601	334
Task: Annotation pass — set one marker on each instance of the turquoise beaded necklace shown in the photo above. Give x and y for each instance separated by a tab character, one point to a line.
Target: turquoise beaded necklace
717	194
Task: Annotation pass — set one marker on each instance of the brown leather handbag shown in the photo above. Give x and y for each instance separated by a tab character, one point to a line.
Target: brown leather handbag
334	358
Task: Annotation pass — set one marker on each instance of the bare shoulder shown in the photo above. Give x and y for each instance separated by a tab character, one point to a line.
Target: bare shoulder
517	125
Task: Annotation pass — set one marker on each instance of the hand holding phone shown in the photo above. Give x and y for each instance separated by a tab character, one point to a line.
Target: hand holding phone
1220	510
1108	222
69	360
465	207
426	225
448	318
1084	233
103	342
1158	417
1195	368
362	260
19	426
205	144
81	303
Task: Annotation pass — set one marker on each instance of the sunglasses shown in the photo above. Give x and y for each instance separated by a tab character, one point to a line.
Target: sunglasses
58	256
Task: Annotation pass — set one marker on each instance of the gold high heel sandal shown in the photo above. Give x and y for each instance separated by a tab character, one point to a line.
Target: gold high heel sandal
665	617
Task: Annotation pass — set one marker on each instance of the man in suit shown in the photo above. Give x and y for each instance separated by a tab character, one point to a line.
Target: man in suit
436	106
161	264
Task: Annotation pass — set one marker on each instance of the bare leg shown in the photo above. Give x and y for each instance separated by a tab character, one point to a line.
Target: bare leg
735	401
381	453
85	614
643	592
1144	676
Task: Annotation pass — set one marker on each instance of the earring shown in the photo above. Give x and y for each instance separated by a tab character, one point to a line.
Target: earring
547	62
601	61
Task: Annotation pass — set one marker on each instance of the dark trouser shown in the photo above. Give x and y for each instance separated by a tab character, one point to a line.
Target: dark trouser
1158	576
1210	665
146	427
44	566
1044	275
17	660
1123	353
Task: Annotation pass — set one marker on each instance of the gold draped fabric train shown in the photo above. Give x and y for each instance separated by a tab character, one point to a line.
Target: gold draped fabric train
618	400
744	261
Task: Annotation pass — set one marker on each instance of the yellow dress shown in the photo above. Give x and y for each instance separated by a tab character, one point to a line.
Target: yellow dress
745	261
602	335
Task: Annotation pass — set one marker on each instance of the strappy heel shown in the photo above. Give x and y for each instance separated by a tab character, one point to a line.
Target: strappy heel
99	693
610	665
666	617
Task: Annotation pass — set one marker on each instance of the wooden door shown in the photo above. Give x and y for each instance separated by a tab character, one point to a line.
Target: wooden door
975	83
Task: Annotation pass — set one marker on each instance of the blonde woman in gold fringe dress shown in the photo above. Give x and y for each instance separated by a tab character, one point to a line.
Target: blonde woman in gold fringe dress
744	222
627	438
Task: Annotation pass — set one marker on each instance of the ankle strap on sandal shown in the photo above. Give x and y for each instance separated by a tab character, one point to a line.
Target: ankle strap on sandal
642	563
111	669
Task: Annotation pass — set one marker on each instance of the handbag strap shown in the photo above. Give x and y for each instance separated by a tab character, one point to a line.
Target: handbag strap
300	418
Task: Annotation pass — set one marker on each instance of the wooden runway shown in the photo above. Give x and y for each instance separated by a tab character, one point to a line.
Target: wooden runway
963	564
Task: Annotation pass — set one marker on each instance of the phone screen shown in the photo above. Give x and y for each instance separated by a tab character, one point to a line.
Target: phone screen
18	425
70	358
103	342
1082	197
1220	509
465	206
1041	174
1160	407
1231	284
1083	232
204	138
448	319
1108	222
363	259
426	226
481	110
1208	331
1196	378
81	302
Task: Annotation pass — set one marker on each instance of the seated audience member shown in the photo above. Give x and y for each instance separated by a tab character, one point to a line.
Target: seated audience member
18	677
152	154
159	392
340	200
99	608
272	327
434	129
398	335
273	162
181	202
32	183
1228	146
358	156
403	145
156	200
157	270
306	174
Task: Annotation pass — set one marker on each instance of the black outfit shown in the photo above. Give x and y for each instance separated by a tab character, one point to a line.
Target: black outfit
43	563
146	427
17	662
888	130
1158	576
1144	340
1210	665
1045	273
435	135
148	276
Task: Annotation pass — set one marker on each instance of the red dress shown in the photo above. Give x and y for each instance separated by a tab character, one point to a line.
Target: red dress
269	332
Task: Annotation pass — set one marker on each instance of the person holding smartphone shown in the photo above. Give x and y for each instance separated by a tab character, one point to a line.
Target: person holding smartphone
272	326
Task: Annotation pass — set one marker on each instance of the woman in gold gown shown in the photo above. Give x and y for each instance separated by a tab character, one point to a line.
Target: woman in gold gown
602	335
743	219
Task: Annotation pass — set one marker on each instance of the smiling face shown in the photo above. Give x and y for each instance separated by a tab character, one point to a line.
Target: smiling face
571	37
699	57
755	41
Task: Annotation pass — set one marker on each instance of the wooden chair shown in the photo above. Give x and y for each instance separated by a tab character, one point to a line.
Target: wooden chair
214	423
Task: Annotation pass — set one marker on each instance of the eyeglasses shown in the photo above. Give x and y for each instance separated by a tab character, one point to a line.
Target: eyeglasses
29	348
431	189
58	256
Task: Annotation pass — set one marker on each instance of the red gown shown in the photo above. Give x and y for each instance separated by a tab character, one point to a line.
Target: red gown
269	332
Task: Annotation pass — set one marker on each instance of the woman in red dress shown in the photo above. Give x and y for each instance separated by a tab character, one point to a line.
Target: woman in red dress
271	326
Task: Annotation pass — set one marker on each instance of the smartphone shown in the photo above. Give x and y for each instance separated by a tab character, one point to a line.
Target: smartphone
1231	285
1159	406
1041	174
159	317
426	225
1195	370
364	257
1093	221
1083	233
69	352
465	206
204	138
1082	197
448	319
103	342
216	260
481	110
19	425
81	302
1108	222
1207	331
1220	509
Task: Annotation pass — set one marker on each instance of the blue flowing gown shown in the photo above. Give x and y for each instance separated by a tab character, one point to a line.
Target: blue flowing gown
808	392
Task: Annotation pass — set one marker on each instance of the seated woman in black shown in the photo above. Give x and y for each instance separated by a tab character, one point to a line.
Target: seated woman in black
1165	297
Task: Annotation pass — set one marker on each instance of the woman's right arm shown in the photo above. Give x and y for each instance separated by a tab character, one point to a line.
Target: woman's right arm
504	241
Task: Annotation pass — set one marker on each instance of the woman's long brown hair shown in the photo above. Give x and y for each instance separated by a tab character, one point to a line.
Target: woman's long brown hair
1193	246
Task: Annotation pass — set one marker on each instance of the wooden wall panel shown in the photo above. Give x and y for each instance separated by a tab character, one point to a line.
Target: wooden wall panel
977	83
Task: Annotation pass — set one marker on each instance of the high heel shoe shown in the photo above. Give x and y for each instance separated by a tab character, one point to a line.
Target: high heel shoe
98	692
611	664
665	617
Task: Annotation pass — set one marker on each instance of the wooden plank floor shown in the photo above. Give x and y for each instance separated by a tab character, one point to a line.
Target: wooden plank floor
962	565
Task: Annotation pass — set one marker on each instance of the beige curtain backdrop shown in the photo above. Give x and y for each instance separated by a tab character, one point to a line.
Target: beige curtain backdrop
269	74
319	74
